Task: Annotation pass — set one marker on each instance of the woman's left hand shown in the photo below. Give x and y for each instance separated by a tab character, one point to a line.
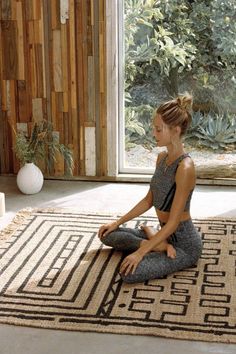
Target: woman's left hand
130	263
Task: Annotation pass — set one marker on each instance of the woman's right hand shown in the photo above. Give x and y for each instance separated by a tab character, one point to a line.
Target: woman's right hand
107	228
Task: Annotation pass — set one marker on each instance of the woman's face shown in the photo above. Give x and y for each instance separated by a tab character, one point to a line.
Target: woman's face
161	131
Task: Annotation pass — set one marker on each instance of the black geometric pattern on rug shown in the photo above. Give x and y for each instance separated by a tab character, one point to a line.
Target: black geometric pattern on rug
54	272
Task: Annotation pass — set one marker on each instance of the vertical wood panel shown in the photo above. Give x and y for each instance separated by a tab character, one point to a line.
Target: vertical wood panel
5	141
24	102
57	61
36	66
73	86
81	39
90	151
9	49
64	10
14	9
2	145
64	63
5	9
4	95
12	116
20	41
55	9
37	109
91	91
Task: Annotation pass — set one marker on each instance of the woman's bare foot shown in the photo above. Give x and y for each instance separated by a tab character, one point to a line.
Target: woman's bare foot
170	250
163	246
149	231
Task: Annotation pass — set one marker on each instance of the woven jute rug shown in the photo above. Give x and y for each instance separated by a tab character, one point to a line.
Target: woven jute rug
55	273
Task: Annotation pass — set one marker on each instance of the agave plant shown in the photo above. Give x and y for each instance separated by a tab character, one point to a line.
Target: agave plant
218	132
138	127
198	121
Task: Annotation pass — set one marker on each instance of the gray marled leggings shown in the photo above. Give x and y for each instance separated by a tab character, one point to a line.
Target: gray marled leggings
186	241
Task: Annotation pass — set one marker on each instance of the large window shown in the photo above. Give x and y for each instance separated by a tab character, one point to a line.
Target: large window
167	48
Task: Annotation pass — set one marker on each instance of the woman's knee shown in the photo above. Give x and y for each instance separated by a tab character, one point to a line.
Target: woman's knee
108	240
131	279
121	241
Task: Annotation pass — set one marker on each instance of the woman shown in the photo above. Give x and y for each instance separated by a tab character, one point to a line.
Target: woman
177	244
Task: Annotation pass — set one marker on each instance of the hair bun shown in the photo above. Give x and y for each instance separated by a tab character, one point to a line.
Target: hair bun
185	101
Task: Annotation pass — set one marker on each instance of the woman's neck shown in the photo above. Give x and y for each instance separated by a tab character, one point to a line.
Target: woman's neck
174	152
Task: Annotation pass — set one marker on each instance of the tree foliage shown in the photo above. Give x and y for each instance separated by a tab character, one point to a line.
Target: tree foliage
181	41
173	46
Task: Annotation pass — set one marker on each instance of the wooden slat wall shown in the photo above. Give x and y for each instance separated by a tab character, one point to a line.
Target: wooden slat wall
53	66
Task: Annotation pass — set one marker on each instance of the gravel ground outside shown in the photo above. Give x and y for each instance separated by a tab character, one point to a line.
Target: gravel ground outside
220	164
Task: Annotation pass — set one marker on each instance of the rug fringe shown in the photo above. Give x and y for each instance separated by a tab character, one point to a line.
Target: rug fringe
19	218
23	214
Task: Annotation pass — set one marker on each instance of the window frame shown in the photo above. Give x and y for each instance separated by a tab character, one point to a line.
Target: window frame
115	105
122	169
112	86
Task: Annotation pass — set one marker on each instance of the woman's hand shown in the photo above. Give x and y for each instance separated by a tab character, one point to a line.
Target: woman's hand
107	228
130	263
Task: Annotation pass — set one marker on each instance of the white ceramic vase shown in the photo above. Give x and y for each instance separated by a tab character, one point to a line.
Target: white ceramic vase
29	179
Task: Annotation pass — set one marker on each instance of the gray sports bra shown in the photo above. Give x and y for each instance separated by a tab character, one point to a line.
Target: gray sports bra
163	184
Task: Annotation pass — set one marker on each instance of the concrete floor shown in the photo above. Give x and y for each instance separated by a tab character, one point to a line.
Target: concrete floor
112	198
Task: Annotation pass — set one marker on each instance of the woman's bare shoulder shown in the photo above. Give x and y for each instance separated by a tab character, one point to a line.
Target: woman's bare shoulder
187	163
186	172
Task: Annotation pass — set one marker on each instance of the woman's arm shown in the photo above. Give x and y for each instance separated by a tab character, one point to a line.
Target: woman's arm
144	205
140	208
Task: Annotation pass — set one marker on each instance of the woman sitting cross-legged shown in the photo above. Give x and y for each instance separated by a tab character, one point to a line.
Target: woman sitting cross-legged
177	244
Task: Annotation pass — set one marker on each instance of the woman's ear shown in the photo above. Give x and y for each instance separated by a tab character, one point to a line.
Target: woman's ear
178	130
